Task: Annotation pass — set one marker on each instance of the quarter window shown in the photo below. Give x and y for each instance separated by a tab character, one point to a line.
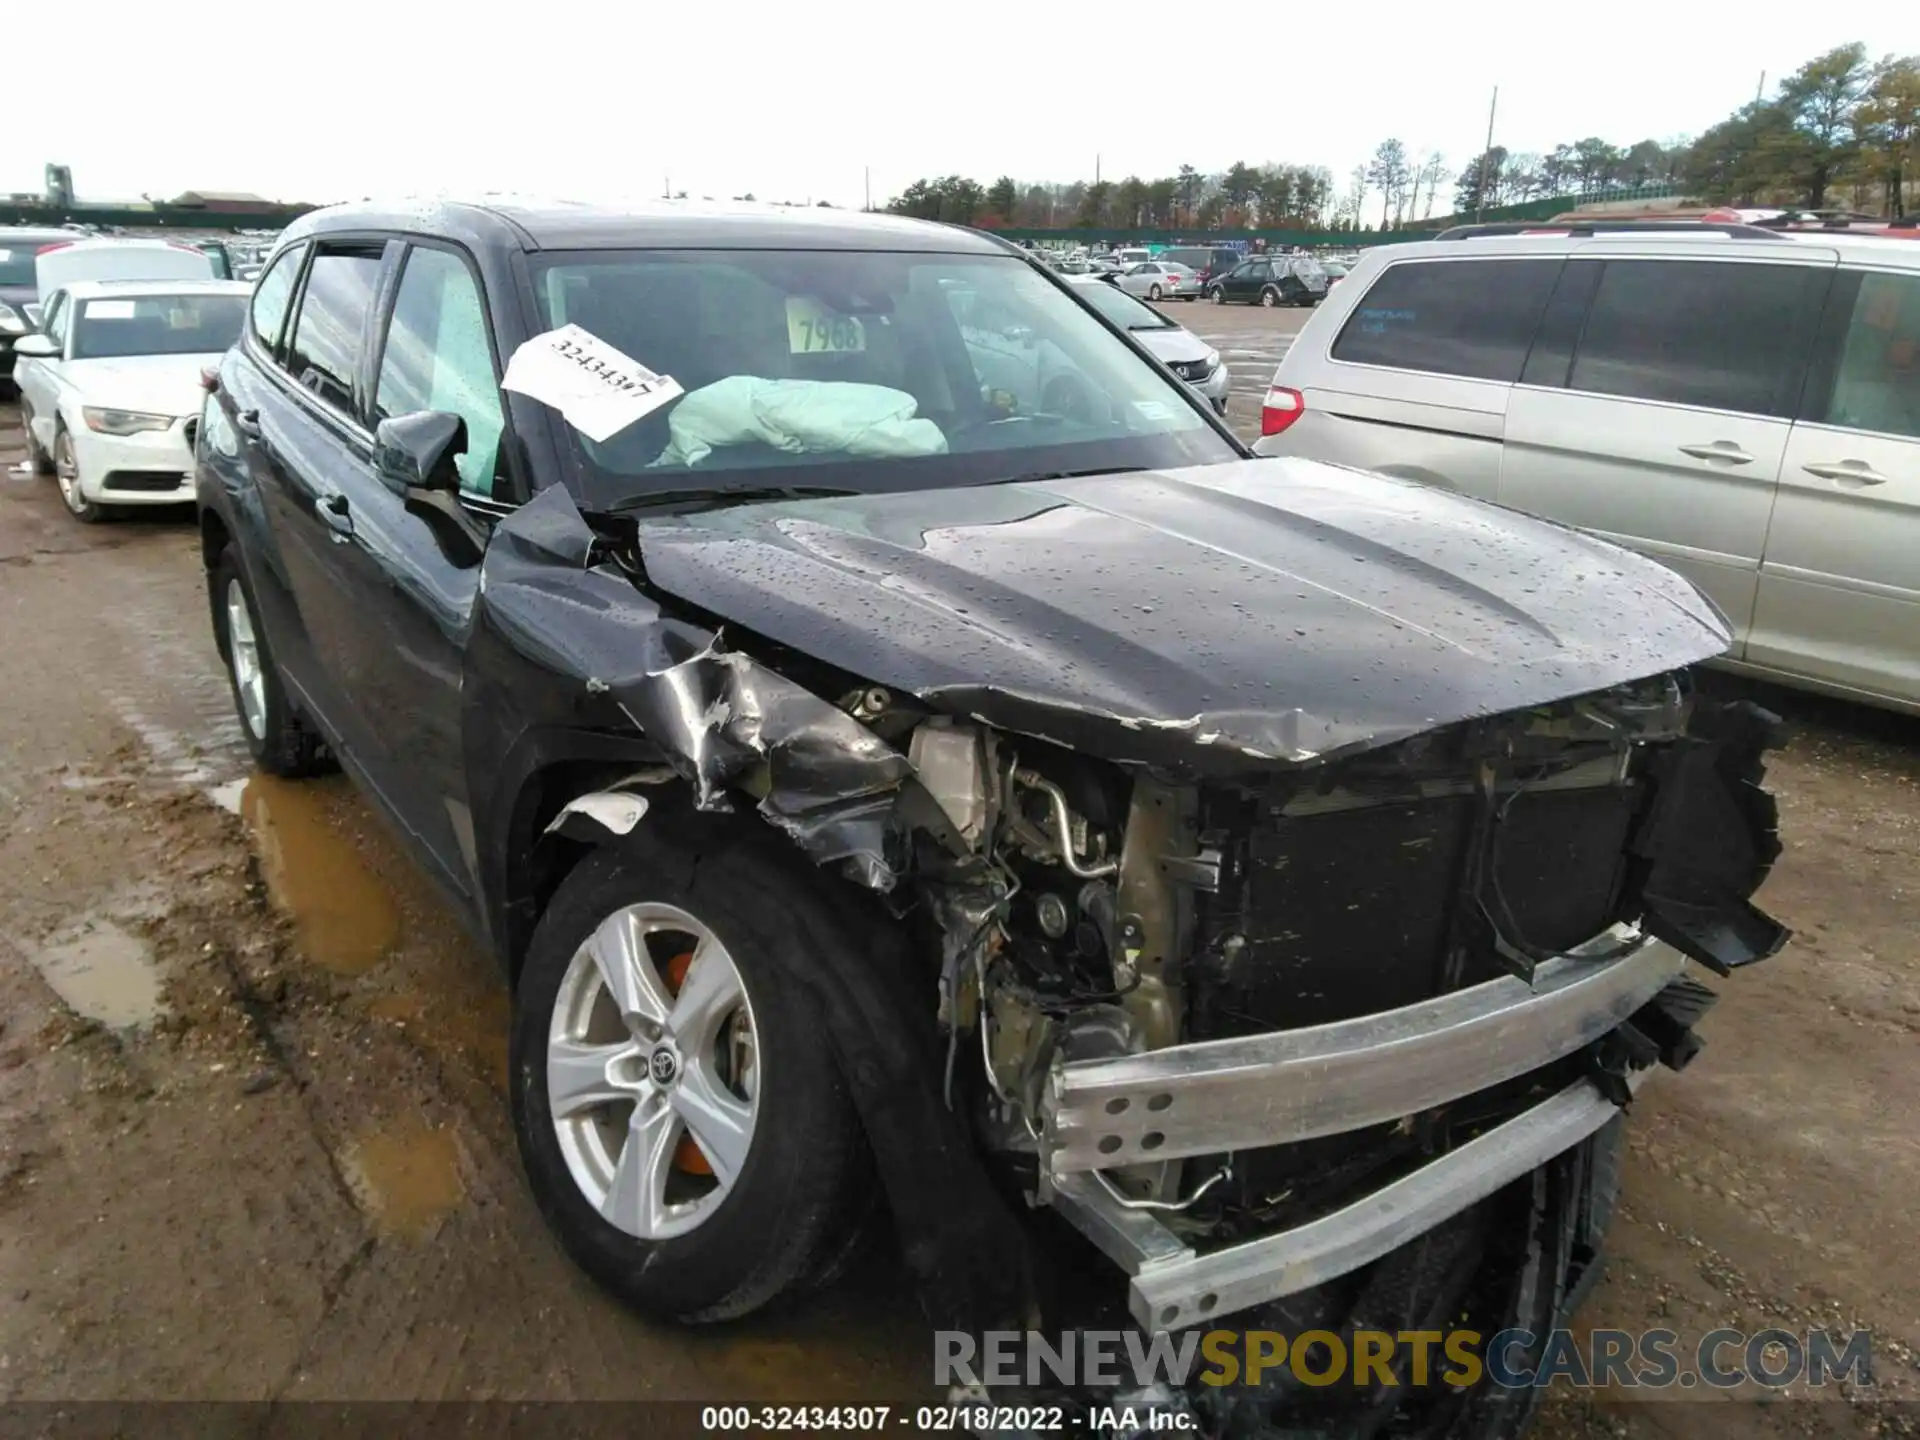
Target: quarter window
272	295
333	316
1473	318
1876	385
1722	335
438	358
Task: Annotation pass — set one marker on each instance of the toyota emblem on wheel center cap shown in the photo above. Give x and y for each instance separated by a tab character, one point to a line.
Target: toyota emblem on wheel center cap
664	1066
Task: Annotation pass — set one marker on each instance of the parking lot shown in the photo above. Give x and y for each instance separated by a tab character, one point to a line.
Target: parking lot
277	1163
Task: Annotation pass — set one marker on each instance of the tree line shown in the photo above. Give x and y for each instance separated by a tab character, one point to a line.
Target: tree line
1842	127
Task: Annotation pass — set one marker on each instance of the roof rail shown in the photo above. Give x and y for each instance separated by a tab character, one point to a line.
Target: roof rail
1734	229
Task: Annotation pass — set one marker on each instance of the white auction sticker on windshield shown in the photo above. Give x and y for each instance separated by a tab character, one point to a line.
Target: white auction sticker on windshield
108	310
598	389
5	255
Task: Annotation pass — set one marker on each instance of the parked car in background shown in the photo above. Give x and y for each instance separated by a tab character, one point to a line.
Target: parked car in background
110	387
19	294
1271	280
1741	405
1336	271
1159	280
1132	255
877	797
1206	261
69	261
1180	350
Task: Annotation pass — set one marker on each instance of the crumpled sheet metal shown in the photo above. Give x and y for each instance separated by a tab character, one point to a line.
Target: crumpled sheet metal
824	778
722	720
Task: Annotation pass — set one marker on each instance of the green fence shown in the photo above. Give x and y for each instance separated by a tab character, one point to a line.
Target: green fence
157	217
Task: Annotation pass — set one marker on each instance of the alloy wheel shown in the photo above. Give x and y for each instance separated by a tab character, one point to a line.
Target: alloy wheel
653	1071
66	473
243	649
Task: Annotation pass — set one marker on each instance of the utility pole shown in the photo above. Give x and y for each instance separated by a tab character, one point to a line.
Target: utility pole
666	187
1486	158
867	181
1760	90
1096	169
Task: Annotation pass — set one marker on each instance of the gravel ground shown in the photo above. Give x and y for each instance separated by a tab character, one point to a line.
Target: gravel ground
292	1176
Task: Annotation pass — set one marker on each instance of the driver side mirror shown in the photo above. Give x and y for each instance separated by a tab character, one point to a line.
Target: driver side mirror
414	457
37	347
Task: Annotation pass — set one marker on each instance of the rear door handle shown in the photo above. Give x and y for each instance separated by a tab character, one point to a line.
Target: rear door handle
247	422
339	517
1858	471
1725	450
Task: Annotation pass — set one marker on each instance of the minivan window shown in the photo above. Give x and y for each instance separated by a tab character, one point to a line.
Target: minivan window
1473	318
272	295
1724	335
1876	385
865	371
333	316
437	358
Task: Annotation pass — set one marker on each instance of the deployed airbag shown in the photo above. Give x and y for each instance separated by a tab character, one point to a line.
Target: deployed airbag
800	417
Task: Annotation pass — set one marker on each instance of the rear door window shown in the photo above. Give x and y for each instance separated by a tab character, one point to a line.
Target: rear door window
1723	335
1473	318
272	295
331	327
1875	378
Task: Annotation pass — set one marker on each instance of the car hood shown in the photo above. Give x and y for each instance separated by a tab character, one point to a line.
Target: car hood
1173	346
157	384
1262	610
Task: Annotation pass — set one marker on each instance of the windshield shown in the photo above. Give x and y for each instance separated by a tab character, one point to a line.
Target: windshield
1121	308
864	371
157	325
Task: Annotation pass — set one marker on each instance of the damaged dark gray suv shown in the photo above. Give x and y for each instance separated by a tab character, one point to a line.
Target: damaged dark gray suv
890	778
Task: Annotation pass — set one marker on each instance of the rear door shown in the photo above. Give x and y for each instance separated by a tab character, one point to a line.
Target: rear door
1656	406
1839	593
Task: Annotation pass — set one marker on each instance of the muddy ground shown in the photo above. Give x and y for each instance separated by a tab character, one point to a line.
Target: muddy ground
253	1142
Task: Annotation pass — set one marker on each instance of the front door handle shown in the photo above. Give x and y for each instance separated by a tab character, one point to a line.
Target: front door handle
1724	450
1857	471
339	517
247	422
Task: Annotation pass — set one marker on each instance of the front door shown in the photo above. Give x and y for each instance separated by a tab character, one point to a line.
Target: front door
413	598
1840	583
1664	425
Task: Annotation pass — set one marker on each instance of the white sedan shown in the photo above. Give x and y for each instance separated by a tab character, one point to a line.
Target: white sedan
1159	279
110	386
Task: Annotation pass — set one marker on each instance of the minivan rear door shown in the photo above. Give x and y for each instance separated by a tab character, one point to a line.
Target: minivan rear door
1655	407
1839	595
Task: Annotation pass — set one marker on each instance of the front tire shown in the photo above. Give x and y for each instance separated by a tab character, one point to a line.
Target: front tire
1217	295
280	742
66	475
41	461
683	1124
1269	297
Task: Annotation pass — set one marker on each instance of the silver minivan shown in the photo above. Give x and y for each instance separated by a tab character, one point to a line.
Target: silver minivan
1742	405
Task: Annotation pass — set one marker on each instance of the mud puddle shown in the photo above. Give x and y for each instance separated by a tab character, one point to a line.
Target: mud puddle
104	974
405	1176
343	912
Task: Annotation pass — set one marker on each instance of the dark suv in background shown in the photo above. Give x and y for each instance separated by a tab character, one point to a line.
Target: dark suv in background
19	294
1206	261
885	784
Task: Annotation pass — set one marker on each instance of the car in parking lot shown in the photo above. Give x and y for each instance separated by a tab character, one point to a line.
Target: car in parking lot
877	789
1271	280
110	386
1158	280
1740	404
1183	352
19	296
1205	261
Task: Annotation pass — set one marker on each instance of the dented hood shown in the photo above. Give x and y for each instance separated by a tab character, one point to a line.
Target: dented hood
1281	609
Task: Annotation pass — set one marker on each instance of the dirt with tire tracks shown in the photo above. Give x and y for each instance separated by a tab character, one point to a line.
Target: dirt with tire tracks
280	1166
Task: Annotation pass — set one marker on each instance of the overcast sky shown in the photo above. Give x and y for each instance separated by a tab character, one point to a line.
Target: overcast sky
795	99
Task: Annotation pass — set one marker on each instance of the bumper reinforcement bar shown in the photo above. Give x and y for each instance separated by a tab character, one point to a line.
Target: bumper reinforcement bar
1172	1287
1285	1086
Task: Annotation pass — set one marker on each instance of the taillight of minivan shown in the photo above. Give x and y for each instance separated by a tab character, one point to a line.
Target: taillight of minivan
1281	408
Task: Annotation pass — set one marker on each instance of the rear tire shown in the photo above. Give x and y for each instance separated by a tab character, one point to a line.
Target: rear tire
1153	292
785	1214
279	740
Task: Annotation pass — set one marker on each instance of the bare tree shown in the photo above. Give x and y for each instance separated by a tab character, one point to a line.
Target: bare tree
1390	172
1432	171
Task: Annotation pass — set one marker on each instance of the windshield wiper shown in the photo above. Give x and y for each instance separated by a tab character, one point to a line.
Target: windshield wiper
718	499
1038	476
